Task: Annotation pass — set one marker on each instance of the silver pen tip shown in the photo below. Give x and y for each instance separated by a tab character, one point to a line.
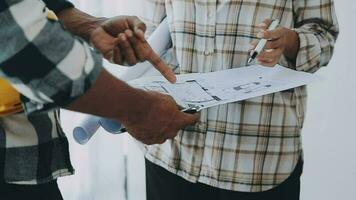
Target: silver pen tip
249	61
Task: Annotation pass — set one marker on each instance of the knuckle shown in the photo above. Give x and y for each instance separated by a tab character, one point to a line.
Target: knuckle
131	62
141	58
144	26
146	140
122	44
155	59
125	45
117	60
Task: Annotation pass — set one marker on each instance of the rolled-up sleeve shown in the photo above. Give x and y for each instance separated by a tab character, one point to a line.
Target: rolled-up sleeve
58	5
46	64
317	26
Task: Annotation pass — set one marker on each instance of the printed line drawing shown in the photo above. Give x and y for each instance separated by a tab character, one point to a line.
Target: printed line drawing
204	90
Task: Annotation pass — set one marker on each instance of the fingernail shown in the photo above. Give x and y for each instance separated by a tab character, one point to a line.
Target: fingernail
262	24
174	79
260	35
140	34
128	33
123	37
139	31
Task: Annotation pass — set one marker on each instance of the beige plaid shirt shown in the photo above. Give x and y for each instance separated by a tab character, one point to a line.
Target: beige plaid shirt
251	145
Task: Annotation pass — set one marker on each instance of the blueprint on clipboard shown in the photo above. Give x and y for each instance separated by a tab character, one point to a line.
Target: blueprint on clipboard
204	90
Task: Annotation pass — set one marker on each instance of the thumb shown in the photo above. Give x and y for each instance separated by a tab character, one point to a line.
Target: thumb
184	119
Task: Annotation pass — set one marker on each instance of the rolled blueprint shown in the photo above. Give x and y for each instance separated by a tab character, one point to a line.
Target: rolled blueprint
86	129
160	41
111	126
90	124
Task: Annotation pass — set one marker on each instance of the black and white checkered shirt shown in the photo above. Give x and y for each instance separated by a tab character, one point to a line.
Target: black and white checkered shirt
50	67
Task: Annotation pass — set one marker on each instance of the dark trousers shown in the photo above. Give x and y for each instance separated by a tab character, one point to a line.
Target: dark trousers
47	191
163	185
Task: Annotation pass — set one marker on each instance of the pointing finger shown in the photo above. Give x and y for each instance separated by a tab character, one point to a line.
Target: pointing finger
161	66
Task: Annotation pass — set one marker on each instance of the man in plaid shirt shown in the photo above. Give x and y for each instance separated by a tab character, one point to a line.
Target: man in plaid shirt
53	68
248	150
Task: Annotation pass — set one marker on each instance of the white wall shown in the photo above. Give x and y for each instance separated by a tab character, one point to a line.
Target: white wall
329	135
100	165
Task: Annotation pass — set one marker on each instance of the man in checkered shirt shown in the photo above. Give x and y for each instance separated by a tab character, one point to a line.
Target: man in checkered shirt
248	150
52	68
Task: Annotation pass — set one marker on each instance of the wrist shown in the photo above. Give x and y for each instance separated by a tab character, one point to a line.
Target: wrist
137	104
90	26
292	45
112	98
80	23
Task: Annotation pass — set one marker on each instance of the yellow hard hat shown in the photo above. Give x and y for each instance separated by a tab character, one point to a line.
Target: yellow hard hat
9	99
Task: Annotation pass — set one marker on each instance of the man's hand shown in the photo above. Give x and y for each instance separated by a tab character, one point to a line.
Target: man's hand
281	41
150	117
160	119
111	36
121	40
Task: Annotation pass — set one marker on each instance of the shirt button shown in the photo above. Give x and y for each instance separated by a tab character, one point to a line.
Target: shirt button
210	14
207	53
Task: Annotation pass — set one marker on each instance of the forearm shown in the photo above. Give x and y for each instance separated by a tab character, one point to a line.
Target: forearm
79	23
150	117
76	21
292	46
111	98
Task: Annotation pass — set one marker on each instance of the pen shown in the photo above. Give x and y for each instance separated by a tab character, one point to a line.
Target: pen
262	43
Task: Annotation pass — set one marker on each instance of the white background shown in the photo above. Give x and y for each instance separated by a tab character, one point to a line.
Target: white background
329	134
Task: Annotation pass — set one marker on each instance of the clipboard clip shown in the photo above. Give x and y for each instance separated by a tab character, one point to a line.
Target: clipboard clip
192	109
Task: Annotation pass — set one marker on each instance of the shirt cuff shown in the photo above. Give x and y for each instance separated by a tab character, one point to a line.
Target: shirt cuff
309	54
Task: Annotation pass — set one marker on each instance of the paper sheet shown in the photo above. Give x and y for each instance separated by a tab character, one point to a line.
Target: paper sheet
215	88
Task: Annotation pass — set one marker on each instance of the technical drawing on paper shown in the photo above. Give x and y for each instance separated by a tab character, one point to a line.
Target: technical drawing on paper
197	93
215	88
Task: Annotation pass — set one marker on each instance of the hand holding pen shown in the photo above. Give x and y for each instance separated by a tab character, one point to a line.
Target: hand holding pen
275	41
